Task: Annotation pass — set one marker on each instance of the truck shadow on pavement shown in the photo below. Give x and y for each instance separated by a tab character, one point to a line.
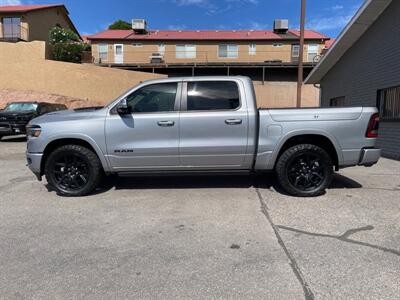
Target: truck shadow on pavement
13	139
264	181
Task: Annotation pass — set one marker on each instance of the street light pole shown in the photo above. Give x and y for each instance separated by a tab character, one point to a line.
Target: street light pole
301	53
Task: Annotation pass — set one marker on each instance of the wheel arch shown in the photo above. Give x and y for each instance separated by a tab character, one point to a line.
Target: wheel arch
61	141
315	138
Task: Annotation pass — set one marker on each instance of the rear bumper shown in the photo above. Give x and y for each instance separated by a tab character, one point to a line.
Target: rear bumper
369	156
34	161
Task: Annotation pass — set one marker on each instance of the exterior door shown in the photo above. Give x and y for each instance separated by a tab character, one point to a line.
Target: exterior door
295	52
213	125
148	137
119	53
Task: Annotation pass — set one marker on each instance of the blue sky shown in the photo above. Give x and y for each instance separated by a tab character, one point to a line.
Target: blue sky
91	16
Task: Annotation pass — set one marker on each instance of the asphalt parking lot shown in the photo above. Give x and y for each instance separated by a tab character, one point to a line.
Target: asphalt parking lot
199	237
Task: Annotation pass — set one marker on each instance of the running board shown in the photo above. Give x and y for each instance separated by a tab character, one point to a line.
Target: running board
182	173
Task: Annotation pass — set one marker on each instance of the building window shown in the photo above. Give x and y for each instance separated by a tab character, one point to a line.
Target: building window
12	28
295	51
212	95
185	51
277	45
103	52
312	52
161	48
252	49
228	51
337	102
389	103
137	44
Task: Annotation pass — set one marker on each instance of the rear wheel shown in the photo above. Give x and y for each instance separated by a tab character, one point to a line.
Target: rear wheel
304	170
73	170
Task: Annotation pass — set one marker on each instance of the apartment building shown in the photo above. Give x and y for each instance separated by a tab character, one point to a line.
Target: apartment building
142	48
32	22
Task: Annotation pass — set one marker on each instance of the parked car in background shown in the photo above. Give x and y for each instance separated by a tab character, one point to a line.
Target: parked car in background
16	115
200	124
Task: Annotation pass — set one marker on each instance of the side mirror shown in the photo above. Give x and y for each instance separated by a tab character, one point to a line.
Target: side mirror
123	108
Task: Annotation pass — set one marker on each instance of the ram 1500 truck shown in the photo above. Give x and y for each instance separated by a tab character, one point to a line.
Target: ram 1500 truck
199	124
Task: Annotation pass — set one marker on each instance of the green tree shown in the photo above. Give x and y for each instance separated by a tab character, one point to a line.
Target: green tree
120	24
66	45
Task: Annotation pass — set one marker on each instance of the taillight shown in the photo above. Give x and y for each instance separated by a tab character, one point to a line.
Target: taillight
373	126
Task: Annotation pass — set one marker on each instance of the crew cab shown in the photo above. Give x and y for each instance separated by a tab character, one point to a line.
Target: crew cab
199	124
16	115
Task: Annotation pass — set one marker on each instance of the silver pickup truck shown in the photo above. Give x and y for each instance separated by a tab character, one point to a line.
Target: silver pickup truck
199	124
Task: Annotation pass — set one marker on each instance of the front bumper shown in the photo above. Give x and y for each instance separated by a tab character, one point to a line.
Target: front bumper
369	156
34	161
12	129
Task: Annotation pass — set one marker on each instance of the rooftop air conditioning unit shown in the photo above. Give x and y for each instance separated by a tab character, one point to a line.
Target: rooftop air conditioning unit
281	26
139	24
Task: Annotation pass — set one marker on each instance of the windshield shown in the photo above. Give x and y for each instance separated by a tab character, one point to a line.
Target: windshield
21	106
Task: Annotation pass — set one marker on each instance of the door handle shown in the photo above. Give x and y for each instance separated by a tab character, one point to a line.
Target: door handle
165	123
233	121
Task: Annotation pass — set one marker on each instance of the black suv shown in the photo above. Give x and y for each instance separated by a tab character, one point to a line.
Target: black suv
16	115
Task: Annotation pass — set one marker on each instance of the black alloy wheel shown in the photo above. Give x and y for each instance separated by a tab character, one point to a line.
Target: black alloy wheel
73	170
304	170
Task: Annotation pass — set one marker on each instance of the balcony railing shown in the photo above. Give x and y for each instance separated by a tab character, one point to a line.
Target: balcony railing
143	57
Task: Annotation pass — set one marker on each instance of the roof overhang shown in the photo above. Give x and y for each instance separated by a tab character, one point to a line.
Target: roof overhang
359	24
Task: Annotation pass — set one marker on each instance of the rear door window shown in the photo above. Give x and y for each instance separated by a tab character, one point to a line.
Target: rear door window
212	95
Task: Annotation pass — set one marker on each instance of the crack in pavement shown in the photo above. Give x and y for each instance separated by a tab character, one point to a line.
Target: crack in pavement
344	237
308	294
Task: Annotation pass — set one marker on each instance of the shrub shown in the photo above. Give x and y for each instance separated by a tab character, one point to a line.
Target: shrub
62	35
66	45
68	52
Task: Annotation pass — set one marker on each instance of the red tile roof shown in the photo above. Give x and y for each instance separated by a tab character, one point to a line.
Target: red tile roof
203	35
329	43
26	8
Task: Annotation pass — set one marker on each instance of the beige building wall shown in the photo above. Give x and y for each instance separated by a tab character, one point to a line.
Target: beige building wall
35	25
23	67
284	94
205	51
41	21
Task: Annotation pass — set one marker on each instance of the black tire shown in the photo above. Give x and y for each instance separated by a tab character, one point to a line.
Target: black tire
73	170
304	170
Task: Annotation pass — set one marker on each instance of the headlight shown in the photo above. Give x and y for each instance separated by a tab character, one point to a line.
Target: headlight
33	130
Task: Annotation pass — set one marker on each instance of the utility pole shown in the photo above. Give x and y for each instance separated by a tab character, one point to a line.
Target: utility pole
301	53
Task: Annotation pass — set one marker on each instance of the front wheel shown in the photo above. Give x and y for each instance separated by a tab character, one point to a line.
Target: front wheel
304	170
73	170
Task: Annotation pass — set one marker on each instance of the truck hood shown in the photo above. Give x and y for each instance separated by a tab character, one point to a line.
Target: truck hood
12	115
70	115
